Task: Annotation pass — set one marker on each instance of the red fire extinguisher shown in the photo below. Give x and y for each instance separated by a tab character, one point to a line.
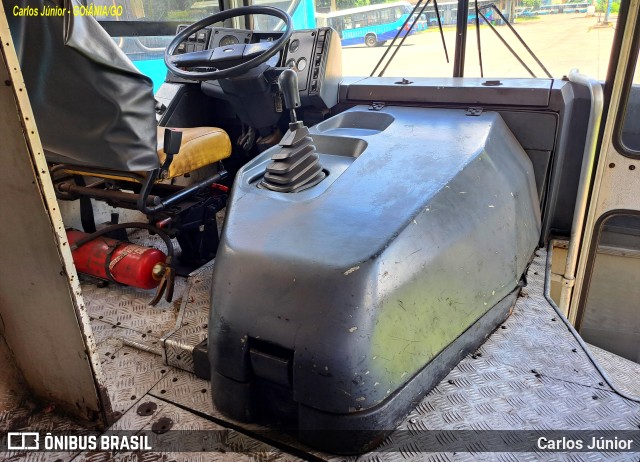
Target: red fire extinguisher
123	262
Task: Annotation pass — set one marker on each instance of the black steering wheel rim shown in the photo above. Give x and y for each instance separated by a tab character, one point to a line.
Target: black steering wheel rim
239	69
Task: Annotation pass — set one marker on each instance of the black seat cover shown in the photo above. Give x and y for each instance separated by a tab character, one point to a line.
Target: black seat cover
92	106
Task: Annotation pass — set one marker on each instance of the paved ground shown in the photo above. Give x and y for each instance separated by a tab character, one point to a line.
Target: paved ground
561	42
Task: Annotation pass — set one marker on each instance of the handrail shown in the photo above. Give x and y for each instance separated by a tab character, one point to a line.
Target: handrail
398	33
520	39
586	174
506	44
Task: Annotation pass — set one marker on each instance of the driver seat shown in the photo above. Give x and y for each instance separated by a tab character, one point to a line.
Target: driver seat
95	111
96	118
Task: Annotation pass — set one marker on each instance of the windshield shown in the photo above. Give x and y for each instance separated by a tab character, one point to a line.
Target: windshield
561	35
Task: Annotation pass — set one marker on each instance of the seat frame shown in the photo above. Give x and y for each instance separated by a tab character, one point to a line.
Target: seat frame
144	200
187	213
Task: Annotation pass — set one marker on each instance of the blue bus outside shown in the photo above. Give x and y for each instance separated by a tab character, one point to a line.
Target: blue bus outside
147	53
372	25
575	7
487	13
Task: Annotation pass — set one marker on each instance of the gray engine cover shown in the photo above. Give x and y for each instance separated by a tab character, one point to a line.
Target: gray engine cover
427	219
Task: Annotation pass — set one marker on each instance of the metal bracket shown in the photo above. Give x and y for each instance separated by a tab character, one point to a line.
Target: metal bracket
376	106
162	425
147	408
277	101
404	82
474	111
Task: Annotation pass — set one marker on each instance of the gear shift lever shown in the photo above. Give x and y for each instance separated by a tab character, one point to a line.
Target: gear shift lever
296	165
288	83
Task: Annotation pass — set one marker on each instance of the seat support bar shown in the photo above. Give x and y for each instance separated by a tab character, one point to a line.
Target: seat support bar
175	197
105	194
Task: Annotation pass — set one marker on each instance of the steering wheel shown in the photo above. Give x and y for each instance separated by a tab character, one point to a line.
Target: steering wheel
250	55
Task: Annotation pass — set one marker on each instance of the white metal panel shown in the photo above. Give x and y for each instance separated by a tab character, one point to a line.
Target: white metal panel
45	321
616	184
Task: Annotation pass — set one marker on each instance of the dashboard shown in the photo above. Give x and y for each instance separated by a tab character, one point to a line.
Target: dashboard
315	54
213	37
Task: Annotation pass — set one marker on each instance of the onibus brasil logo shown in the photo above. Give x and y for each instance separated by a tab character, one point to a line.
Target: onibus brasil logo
32	441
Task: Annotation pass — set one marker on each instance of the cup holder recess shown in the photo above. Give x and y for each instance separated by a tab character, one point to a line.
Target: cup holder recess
356	123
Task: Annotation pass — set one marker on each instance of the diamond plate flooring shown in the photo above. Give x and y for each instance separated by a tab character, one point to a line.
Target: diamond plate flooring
226	444
122	316
128	307
191	325
190	392
624	373
530	374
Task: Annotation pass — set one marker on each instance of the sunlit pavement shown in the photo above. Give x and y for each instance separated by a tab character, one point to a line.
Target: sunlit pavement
561	42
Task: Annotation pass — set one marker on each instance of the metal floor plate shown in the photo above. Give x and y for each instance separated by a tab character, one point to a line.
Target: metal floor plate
230	445
530	374
188	391
122	316
128	307
624	373
192	323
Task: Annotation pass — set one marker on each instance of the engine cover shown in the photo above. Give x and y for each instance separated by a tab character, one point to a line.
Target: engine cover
338	307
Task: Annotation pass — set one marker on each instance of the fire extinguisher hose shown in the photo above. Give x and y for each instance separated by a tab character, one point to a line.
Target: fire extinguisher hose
167	282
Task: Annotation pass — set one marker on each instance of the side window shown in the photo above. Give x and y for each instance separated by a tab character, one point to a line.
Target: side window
372	18
630	135
610	319
358	20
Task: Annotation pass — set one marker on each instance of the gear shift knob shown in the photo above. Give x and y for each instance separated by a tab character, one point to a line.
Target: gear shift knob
288	83
295	166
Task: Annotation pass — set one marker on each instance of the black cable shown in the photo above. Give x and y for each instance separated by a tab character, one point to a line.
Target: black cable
393	55
524	44
504	42
415	8
576	335
444	44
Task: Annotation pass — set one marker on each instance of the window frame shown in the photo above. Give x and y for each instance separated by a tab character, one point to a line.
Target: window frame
140	28
131	28
632	67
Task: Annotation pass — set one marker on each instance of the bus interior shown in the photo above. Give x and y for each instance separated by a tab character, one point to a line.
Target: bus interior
303	262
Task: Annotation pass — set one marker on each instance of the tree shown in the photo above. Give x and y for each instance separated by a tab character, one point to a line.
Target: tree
601	6
344	4
533	4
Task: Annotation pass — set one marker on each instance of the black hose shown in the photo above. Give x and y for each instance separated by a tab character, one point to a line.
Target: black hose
134	225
